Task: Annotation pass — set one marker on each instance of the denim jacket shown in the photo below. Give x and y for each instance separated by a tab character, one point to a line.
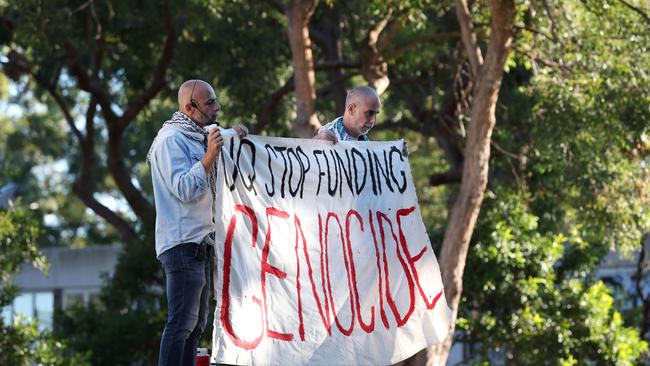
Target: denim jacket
184	203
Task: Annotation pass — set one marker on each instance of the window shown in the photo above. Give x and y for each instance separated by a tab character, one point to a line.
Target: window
44	309
38	306
80	297
6	314
24	304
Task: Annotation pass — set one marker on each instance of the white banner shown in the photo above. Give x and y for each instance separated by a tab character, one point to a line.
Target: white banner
322	256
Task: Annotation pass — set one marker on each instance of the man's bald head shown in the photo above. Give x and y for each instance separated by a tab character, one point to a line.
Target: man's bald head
190	88
197	99
361	94
361	108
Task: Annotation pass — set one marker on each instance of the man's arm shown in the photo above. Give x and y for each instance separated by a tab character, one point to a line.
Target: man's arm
184	176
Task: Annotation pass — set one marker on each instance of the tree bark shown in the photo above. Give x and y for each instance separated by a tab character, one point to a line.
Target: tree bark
140	205
374	67
477	155
84	185
298	14
469	38
327	36
444	129
266	113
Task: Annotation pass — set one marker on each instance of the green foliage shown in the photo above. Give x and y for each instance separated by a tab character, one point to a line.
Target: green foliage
520	307
18	234
131	312
22	343
31	151
127	335
253	59
424	156
590	123
571	140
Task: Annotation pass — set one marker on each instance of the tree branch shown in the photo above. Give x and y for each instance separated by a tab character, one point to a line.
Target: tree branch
374	67
333	83
451	176
436	125
84	185
277	5
158	81
319	37
373	34
565	69
466	208
394	54
140	205
442	128
264	117
535	31
637	10
58	99
82	6
509	157
85	83
19	63
547	8
468	36
403	123
122	226
330	28
142	208
338	64
387	36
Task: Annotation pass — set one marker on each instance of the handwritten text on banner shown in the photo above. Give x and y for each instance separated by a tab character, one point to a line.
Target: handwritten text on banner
322	256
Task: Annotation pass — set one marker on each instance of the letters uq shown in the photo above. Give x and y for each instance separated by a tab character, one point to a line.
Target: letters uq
393	257
354	171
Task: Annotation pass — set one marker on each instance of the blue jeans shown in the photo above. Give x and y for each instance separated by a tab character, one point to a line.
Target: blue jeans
188	287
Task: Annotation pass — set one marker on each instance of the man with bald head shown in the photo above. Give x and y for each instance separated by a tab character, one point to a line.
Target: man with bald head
183	170
362	106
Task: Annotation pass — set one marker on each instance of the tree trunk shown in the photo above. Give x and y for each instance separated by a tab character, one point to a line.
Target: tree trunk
298	13
91	83
374	68
84	186
475	166
327	36
138	203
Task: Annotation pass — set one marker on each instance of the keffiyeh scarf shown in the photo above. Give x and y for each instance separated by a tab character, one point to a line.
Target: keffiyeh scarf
185	125
339	128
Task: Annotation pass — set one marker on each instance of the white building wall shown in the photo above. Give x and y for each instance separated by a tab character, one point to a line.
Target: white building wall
75	275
